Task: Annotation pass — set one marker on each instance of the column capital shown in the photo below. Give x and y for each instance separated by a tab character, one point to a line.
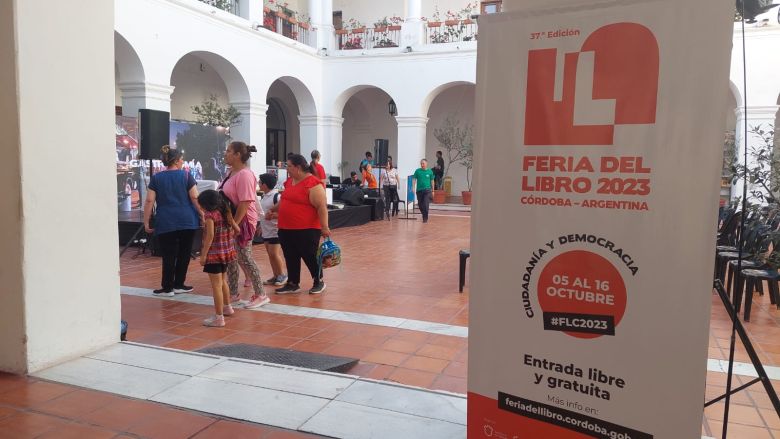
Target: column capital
411	121
768	112
144	89
251	108
321	121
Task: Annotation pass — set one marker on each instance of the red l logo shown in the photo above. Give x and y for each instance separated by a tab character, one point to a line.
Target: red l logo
625	70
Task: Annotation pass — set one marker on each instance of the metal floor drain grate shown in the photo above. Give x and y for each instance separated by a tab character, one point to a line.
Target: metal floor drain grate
287	357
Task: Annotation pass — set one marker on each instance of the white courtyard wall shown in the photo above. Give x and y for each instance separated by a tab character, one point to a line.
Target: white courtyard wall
459	101
195	80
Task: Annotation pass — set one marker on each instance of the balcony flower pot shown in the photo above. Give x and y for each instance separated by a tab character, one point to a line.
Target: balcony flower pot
304	25
468	21
380	29
466	197
358	30
393	28
434	24
452	22
282	15
292	20
439	197
341	31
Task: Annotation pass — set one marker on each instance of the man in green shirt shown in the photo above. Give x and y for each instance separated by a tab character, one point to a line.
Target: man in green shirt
423	182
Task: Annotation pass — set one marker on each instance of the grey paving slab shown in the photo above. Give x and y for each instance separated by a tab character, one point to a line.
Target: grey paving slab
111	377
349	421
405	400
157	359
240	401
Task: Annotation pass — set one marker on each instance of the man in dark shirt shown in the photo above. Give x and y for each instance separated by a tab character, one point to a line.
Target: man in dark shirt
438	171
352	180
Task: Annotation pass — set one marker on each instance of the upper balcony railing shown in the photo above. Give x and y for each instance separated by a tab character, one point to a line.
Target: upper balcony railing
451	31
284	22
372	38
226	5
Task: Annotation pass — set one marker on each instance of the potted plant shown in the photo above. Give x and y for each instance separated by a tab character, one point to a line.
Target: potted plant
381	25
468	162
436	19
395	23
355	27
456	143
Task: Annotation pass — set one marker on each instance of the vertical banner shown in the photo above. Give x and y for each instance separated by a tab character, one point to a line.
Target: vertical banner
596	177
410	189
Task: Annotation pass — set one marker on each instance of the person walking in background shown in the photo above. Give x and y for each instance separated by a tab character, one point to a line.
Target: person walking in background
317	169
423	179
438	171
217	252
239	186
369	160
177	217
369	180
269	228
303	218
390	183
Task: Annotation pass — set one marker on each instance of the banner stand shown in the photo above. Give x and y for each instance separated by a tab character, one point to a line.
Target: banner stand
409	199
762	376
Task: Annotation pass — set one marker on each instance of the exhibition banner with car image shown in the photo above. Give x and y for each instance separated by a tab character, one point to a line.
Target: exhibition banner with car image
597	173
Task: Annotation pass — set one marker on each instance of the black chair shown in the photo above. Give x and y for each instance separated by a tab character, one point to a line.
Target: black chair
753	279
463	255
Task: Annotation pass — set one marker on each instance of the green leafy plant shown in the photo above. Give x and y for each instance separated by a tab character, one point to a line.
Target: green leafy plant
457	143
762	172
210	112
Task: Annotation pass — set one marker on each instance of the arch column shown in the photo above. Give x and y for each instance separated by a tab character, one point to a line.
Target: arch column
324	134
145	95
412	131
321	13
252	130
413	28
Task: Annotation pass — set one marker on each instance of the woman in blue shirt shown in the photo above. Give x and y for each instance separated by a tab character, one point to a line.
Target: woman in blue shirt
176	219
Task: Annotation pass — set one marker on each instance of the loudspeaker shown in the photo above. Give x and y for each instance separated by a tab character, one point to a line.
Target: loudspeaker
352	196
154	131
381	150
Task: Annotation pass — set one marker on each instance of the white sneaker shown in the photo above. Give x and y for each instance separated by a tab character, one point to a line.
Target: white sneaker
257	302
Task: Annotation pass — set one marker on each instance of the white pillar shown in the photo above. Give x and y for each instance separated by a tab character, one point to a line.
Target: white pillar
60	282
252	10
139	95
739	137
413	28
252	130
412	132
322	133
324	34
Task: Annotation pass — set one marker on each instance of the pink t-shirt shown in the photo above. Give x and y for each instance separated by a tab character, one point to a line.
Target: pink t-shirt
241	186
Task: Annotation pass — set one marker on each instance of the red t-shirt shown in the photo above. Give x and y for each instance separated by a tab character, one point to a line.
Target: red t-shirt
295	209
319	172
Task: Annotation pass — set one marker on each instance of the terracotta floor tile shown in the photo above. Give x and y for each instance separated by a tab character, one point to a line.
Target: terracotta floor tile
457	370
396	345
234	430
9	381
737	413
245	338
315	323
298	332
33	394
311	346
29	425
188	344
267	328
412	377
6	412
347	350
381	372
390	358
450	384
78	431
425	364
214	334
440	352
123	414
278	341
174	424
364	340
76	404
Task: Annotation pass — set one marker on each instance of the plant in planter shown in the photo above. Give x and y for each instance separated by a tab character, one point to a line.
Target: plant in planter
381	24
762	172
456	142
353	42
467	147
355	26
210	112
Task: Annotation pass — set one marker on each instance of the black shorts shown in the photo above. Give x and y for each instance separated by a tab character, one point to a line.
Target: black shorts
271	240
215	268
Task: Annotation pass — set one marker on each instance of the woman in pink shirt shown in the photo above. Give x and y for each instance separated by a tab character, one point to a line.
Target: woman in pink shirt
240	187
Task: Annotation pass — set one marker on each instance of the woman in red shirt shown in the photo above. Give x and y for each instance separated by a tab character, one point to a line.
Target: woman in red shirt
317	169
303	218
